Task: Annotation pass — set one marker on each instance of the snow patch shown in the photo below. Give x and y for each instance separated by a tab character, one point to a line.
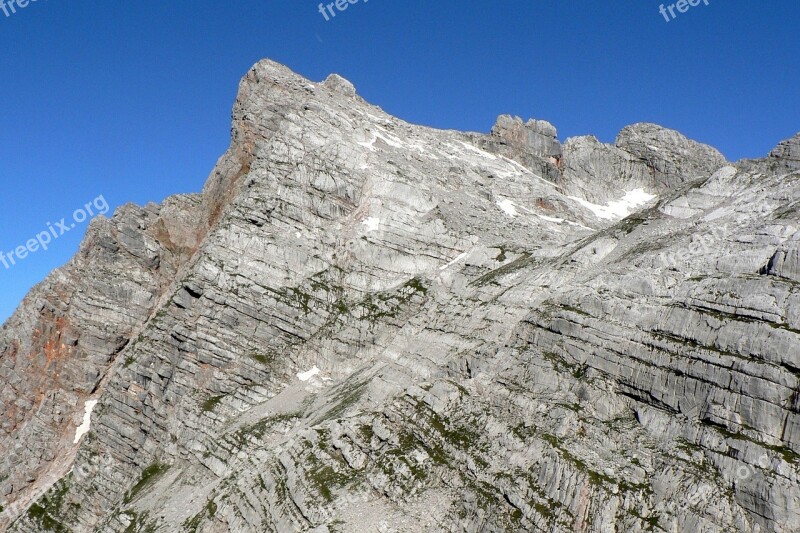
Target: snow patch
372	224
508	207
551	219
83	429
453	262
420	147
477	150
617	209
386	137
525	172
390	139
370	144
305	376
377	118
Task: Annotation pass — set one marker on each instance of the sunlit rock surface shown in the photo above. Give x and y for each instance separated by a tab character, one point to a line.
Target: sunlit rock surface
366	325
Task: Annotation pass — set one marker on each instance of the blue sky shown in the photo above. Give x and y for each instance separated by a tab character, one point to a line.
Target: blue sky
131	100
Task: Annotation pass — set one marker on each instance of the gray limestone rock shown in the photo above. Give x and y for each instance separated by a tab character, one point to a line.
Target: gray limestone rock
535	137
672	158
787	153
363	324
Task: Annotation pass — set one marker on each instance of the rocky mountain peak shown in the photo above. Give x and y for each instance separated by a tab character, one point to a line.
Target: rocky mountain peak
364	324
342	86
787	153
534	137
672	157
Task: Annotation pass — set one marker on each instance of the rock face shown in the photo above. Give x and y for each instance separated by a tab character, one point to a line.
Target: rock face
787	153
361	324
643	156
536	137
671	158
62	342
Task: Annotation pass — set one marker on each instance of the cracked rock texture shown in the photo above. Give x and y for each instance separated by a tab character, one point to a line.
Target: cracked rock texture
365	325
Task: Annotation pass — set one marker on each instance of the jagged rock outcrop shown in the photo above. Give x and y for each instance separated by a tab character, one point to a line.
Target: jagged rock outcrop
534	144
532	138
671	158
59	345
785	263
787	153
362	324
644	156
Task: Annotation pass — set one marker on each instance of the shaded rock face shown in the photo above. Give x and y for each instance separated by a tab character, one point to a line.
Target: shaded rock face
785	263
787	153
536	137
361	324
534	144
601	172
671	158
63	340
645	156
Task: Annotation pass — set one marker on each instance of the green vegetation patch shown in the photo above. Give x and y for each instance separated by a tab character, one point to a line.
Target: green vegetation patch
326	479
149	476
521	262
209	511
264	359
258	429
345	398
39	514
211	403
596	478
46	512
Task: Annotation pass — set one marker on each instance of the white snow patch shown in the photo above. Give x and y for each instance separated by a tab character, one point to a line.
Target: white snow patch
508	207
370	144
372	224
524	169
453	262
390	139
617	209
83	429
305	376
376	117
477	150
551	219
561	221
386	137
418	146
526	172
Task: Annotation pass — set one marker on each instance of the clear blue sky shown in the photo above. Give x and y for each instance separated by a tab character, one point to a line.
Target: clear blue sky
131	99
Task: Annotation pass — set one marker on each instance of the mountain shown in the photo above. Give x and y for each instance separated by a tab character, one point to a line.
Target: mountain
366	325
